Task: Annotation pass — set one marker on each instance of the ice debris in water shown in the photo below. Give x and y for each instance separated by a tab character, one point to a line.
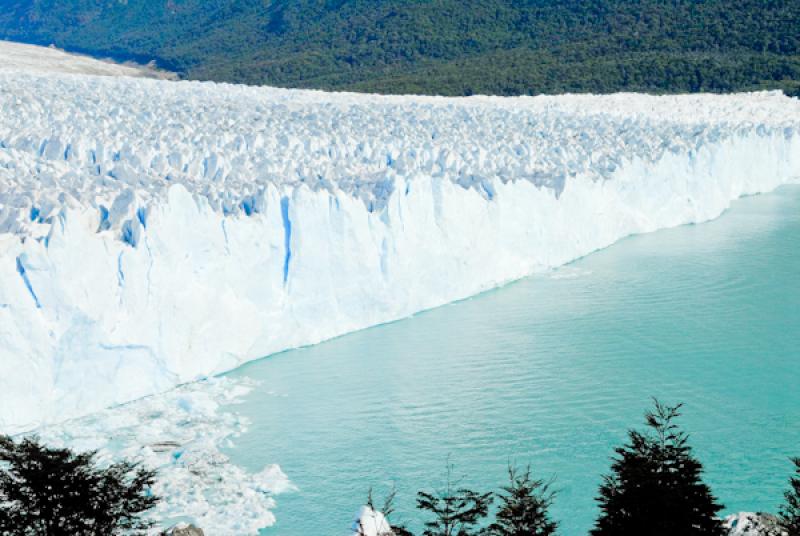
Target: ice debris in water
182	434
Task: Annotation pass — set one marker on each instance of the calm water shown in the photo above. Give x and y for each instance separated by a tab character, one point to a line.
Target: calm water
552	370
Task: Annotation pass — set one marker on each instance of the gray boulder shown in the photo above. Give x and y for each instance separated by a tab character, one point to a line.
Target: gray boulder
753	524
182	529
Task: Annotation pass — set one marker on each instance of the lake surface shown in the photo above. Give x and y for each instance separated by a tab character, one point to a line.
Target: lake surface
552	371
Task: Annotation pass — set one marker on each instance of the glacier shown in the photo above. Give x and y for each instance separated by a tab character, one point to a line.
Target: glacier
153	233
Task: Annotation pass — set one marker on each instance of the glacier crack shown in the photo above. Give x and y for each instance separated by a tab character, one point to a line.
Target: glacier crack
24	275
287	237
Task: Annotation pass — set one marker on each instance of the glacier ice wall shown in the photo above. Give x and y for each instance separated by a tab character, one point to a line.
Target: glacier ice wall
153	233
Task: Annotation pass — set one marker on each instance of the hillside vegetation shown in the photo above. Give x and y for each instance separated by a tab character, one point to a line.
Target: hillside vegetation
451	47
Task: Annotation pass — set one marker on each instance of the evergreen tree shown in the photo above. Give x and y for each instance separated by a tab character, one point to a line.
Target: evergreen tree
655	487
523	511
790	512
50	491
457	512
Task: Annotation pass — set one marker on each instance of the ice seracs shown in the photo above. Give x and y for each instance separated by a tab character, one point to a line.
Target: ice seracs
153	232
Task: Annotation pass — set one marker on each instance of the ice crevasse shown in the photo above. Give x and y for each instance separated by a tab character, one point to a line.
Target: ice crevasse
154	232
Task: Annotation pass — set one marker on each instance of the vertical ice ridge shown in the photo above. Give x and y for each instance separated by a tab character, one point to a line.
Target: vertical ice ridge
120	272
225	236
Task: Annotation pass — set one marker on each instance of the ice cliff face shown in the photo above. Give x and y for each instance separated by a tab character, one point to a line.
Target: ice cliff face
154	232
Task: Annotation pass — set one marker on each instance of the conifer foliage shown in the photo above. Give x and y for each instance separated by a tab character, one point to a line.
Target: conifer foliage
790	511
524	506
456	511
442	47
51	491
655	487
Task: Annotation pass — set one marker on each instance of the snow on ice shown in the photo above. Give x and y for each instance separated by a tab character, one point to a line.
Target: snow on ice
18	56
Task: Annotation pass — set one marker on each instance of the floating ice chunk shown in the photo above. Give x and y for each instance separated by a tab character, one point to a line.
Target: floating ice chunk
181	434
752	524
369	522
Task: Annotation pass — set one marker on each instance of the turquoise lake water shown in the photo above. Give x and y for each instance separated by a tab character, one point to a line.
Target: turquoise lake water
552	371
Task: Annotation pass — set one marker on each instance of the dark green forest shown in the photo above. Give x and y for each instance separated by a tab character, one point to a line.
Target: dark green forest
449	47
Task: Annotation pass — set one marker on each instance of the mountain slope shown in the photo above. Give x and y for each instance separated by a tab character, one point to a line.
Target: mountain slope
19	56
451	47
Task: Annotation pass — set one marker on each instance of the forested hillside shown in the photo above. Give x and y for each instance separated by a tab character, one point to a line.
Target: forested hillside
452	47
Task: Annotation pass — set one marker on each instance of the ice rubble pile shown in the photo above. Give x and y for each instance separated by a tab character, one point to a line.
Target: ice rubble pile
155	232
182	434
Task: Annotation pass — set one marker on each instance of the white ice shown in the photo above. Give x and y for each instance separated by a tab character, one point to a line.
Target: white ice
19	56
369	522
153	232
